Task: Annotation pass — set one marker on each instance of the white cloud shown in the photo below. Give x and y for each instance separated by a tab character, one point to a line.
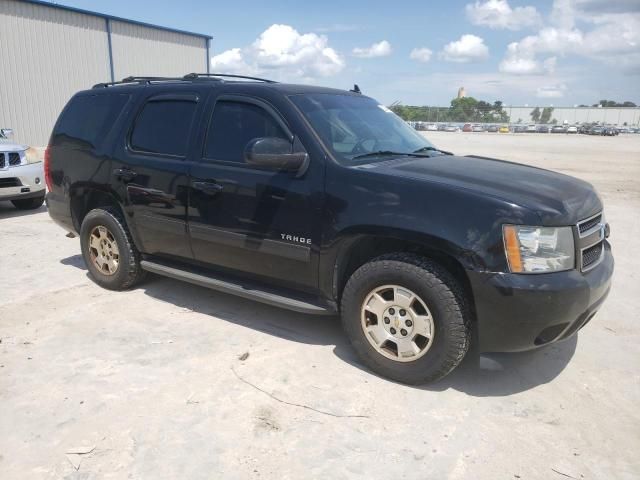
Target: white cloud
498	14
283	51
610	33
380	49
468	49
231	61
422	54
551	91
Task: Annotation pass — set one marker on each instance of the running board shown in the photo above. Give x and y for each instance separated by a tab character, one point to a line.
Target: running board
245	290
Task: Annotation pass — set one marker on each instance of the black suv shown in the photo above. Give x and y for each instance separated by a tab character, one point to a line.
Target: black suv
323	201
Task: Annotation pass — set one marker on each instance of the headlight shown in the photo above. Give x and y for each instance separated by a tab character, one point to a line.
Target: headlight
538	249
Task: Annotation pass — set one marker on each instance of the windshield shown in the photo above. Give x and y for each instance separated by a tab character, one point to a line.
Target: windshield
353	126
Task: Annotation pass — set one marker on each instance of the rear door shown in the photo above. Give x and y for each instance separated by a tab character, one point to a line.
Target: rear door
251	220
151	170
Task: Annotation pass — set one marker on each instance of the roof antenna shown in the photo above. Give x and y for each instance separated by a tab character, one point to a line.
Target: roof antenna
355	89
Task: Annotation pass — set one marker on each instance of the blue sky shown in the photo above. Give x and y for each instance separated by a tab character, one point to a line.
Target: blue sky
556	52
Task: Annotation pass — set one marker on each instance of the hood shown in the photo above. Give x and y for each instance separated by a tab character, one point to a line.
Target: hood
557	199
6	146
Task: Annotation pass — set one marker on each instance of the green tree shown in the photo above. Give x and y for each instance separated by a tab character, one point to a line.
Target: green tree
546	114
535	115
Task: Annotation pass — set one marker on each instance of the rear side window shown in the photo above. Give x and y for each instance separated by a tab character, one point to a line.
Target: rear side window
163	127
233	125
88	118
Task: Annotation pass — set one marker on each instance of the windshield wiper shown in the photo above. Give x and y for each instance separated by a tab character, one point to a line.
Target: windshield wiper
432	149
380	153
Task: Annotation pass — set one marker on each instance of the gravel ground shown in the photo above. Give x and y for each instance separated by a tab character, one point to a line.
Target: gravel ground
155	383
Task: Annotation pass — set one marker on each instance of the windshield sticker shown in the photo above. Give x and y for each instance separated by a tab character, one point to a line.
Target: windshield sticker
384	109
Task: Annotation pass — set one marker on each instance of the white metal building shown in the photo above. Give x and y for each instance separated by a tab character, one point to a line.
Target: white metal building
48	52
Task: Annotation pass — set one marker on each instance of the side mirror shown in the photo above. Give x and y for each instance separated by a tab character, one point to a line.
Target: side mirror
274	153
6	133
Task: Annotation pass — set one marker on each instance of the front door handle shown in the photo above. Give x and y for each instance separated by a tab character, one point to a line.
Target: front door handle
125	174
208	188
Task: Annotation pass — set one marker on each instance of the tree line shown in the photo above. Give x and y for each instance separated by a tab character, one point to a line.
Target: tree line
466	109
469	109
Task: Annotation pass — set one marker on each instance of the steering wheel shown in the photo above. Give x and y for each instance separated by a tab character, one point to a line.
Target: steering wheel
360	147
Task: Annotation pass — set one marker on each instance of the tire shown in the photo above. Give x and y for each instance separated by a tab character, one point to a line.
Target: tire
436	289
28	203
127	272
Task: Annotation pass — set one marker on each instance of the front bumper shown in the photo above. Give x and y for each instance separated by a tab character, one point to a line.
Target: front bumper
22	182
521	312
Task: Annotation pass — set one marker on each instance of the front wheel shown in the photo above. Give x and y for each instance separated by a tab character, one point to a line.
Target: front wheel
406	318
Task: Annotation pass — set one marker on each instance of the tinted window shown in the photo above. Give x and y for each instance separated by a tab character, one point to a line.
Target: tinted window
353	125
233	125
87	118
163	126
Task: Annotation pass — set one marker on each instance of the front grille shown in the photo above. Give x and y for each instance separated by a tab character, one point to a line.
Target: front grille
2	160
591	236
591	256
589	224
14	159
9	182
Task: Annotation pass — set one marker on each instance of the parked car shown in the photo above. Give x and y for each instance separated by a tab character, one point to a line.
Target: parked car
610	131
21	177
519	128
492	128
451	128
432	127
504	129
596	131
477	128
467	127
442	127
572	129
420	126
531	129
542	129
281	193
558	129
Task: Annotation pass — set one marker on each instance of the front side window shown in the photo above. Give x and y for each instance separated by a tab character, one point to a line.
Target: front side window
233	125
352	125
163	127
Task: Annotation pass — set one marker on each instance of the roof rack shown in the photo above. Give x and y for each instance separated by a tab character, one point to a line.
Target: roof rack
218	77
222	76
138	80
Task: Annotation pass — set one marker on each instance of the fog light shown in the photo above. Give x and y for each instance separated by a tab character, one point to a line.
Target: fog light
37	180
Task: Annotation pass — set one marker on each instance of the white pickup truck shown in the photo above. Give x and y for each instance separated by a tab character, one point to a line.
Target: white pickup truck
21	175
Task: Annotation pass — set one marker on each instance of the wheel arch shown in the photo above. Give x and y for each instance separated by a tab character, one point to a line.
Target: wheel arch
359	247
83	199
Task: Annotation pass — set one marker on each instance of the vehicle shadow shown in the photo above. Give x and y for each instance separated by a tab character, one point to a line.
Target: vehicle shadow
7	210
486	375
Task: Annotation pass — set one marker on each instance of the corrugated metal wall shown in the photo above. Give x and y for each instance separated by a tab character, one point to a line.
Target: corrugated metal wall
47	54
143	51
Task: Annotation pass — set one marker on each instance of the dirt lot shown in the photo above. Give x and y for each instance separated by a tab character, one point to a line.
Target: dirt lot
149	384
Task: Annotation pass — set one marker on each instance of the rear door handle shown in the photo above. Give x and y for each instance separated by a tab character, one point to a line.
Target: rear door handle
208	188
125	174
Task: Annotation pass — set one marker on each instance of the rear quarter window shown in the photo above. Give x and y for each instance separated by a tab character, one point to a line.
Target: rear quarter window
88	118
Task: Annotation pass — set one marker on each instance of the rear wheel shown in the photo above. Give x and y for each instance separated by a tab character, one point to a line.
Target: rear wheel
406	318
108	251
28	203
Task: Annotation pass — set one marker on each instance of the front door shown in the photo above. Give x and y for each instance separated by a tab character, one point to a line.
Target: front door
250	220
